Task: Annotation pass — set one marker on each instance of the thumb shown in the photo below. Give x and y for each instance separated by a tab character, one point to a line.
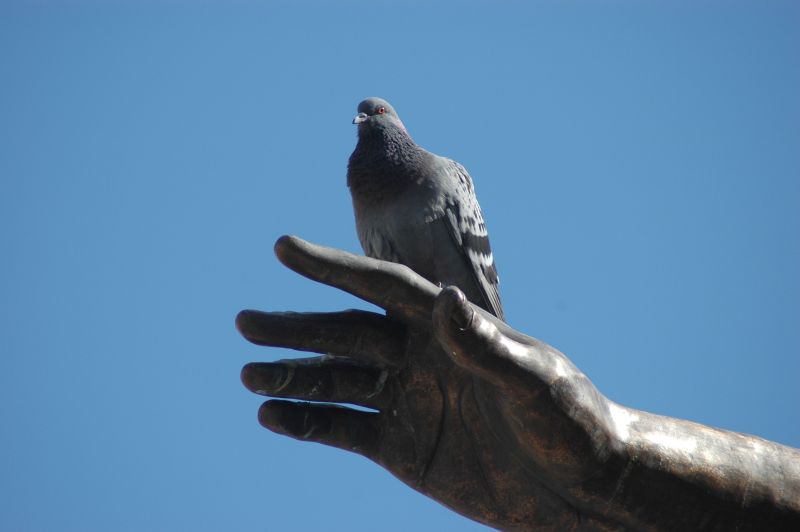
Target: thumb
475	343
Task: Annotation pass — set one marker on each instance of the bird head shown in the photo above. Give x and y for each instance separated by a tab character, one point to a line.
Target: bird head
376	113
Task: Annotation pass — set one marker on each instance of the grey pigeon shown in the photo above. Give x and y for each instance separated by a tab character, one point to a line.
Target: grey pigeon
419	209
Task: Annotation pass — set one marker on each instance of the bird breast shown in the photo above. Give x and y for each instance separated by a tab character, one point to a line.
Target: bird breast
399	230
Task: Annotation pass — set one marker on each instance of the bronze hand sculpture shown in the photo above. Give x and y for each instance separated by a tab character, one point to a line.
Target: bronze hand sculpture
494	424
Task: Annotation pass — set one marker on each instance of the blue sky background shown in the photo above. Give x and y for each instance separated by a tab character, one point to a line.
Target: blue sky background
638	164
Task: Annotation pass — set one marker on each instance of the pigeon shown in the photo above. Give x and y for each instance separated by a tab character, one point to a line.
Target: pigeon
419	209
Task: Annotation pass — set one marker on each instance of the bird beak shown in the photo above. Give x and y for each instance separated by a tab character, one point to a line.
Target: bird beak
360	117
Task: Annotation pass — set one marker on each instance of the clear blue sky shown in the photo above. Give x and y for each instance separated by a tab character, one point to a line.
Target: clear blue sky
638	164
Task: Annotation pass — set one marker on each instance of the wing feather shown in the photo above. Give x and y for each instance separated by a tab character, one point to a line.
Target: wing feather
468	230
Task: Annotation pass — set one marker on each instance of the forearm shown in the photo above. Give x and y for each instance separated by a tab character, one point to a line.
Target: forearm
676	474
655	472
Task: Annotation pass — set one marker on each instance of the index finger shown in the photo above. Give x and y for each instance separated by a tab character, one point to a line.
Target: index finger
394	287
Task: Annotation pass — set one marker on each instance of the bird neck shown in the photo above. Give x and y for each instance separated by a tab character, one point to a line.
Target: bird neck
385	161
392	144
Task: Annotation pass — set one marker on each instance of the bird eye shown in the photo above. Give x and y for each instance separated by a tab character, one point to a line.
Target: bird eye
381	110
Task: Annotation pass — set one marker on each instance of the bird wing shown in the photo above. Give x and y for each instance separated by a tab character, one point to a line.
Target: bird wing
465	225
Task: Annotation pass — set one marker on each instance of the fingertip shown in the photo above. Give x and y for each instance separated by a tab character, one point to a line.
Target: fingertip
286	247
267	378
298	420
248	376
451	309
285	417
244	321
269	416
453	316
282	243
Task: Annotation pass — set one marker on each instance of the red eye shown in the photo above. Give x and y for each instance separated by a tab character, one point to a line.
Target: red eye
381	110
